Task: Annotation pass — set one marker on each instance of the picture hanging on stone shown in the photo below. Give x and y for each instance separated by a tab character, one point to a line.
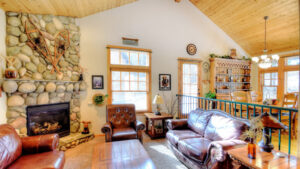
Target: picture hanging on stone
97	82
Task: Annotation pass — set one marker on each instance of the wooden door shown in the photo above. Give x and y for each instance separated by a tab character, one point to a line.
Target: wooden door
189	84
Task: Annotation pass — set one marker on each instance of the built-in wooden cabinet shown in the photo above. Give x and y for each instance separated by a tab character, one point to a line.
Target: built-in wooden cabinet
228	75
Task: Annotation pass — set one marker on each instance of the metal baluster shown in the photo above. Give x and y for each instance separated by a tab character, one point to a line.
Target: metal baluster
225	106
247	110
279	134
254	111
290	132
270	130
230	108
235	109
241	109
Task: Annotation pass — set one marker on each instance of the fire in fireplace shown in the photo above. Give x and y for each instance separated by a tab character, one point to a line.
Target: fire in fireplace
48	118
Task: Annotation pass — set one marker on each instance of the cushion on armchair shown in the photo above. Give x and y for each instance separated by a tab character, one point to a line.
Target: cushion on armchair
124	133
10	145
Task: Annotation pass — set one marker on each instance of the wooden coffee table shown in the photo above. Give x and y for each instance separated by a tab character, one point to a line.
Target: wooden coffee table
263	160
129	154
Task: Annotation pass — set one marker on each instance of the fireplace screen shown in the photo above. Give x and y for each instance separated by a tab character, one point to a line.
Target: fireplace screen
47	119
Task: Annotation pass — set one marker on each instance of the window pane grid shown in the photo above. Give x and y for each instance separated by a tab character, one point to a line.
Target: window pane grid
127	57
130	81
270	82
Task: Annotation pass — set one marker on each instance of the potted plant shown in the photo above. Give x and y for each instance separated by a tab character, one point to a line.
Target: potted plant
252	134
99	99
211	95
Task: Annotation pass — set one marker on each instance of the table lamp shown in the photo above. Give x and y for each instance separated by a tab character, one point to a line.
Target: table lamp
158	100
269	122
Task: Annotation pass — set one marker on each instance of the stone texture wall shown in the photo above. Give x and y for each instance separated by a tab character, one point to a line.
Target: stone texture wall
35	84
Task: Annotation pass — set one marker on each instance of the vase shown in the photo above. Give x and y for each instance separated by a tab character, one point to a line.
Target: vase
10	73
251	149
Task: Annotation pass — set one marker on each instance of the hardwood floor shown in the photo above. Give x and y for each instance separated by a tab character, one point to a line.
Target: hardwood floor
81	156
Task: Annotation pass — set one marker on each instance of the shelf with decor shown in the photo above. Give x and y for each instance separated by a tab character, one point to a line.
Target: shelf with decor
229	75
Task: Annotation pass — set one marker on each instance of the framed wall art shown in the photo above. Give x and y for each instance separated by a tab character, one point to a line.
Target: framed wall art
164	82
97	82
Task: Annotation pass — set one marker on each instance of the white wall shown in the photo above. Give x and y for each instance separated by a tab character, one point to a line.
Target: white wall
164	26
2	62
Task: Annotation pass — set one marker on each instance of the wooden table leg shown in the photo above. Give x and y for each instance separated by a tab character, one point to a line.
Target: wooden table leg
152	128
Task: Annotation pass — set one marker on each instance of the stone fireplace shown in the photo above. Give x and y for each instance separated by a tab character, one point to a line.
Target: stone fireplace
48	119
43	52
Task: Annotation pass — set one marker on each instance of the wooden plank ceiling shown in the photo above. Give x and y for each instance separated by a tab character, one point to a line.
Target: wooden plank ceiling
74	8
243	21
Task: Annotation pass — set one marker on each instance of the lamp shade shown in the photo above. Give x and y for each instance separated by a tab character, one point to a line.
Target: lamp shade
158	99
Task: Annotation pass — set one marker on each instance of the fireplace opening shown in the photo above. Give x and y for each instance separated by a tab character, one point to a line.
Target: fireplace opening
48	118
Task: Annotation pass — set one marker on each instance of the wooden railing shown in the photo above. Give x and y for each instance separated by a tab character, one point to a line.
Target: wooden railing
244	110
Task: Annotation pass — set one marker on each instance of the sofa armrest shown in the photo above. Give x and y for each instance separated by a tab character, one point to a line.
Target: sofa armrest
107	128
39	144
177	124
217	149
139	125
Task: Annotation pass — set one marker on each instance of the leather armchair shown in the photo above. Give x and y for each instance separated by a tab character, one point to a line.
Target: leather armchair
121	123
33	152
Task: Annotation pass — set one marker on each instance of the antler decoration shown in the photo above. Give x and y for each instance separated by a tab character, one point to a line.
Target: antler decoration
61	43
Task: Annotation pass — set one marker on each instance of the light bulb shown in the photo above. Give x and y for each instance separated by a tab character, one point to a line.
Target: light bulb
263	57
275	57
255	59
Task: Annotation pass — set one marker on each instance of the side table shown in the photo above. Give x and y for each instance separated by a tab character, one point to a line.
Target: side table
151	118
263	159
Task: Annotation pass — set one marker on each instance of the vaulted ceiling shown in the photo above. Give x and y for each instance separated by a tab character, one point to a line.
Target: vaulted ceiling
242	20
74	8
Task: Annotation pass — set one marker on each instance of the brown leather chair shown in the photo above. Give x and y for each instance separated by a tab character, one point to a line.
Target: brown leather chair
121	123
34	152
201	140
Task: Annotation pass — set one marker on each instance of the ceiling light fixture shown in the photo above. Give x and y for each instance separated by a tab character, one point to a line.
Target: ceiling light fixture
265	61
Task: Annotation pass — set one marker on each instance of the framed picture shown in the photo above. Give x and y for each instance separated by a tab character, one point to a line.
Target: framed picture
97	82
164	82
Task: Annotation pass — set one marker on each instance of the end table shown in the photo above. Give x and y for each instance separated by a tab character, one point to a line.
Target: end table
263	159
151	118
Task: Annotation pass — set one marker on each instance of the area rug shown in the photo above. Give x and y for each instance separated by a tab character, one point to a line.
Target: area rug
161	155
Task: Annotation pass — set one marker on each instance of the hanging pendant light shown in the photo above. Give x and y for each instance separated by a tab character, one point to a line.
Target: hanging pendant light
265	61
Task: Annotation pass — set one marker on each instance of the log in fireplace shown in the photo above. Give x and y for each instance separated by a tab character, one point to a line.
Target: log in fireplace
48	118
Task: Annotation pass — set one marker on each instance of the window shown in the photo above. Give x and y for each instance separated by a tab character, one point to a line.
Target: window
291	81
286	79
190	79
129	76
270	82
290	61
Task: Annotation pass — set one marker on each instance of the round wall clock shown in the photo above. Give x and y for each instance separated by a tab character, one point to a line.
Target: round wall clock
191	49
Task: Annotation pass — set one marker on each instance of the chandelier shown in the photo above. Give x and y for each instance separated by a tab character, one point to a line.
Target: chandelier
265	60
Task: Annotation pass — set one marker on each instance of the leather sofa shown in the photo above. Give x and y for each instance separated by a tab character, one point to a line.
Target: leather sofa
201	140
34	152
121	123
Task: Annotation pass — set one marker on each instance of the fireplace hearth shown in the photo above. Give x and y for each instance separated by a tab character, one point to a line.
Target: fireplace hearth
49	118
